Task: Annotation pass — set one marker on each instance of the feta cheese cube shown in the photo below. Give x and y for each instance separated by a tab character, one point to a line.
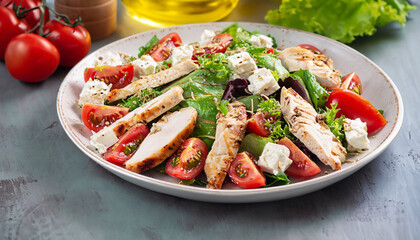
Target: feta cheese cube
109	59
356	135
102	140
261	41
144	66
206	37
94	92
274	158
262	81
242	64
181	54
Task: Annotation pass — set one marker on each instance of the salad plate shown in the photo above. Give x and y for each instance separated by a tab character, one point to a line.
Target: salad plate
346	59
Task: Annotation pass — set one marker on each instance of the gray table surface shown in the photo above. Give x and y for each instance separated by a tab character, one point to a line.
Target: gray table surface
50	190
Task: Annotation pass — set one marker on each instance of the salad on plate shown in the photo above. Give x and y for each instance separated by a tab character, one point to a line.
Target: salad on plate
231	107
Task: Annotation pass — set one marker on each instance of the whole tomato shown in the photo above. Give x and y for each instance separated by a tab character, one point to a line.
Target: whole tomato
10	26
73	43
31	58
32	18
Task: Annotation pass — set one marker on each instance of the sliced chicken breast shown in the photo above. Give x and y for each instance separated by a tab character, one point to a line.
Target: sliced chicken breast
296	58
311	129
108	136
230	131
154	80
165	137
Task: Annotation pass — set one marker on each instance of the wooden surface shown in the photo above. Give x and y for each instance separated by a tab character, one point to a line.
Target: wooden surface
50	190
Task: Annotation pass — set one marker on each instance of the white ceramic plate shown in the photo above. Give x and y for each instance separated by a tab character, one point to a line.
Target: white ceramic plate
346	59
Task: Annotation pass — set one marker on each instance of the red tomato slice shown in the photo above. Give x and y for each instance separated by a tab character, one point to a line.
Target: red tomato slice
162	50
245	173
127	145
95	117
302	165
188	161
218	44
256	124
310	47
119	76
352	82
270	50
353	106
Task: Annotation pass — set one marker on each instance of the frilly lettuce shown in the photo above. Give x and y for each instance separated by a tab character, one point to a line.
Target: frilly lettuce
342	20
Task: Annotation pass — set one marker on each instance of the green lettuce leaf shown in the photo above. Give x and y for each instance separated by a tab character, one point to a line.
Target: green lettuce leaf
318	94
342	20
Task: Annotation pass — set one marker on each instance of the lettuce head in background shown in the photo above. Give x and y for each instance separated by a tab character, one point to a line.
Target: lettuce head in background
342	20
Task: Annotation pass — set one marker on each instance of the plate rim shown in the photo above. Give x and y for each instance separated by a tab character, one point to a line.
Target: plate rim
227	195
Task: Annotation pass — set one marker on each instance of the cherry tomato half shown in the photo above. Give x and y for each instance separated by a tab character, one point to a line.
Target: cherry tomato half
244	172
119	76
302	165
127	145
188	161
31	58
162	50
310	47
218	44
352	82
73	43
353	106
10	26
256	124
95	117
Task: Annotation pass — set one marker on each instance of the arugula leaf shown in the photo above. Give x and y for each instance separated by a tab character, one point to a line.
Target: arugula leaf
138	100
217	66
276	180
149	45
356	18
279	130
318	94
271	107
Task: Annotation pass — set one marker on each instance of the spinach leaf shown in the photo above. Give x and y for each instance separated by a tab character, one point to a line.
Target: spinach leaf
276	180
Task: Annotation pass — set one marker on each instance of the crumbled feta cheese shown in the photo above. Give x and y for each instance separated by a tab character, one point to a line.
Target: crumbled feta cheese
181	54
274	158
102	140
144	66
94	92
206	37
109	59
262	81
261	41
356	135
242	64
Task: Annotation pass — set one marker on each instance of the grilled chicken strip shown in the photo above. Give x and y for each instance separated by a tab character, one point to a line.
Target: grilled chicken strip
296	58
230	131
165	137
311	129
109	135
154	80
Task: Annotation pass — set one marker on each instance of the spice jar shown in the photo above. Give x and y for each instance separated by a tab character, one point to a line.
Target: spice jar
99	17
